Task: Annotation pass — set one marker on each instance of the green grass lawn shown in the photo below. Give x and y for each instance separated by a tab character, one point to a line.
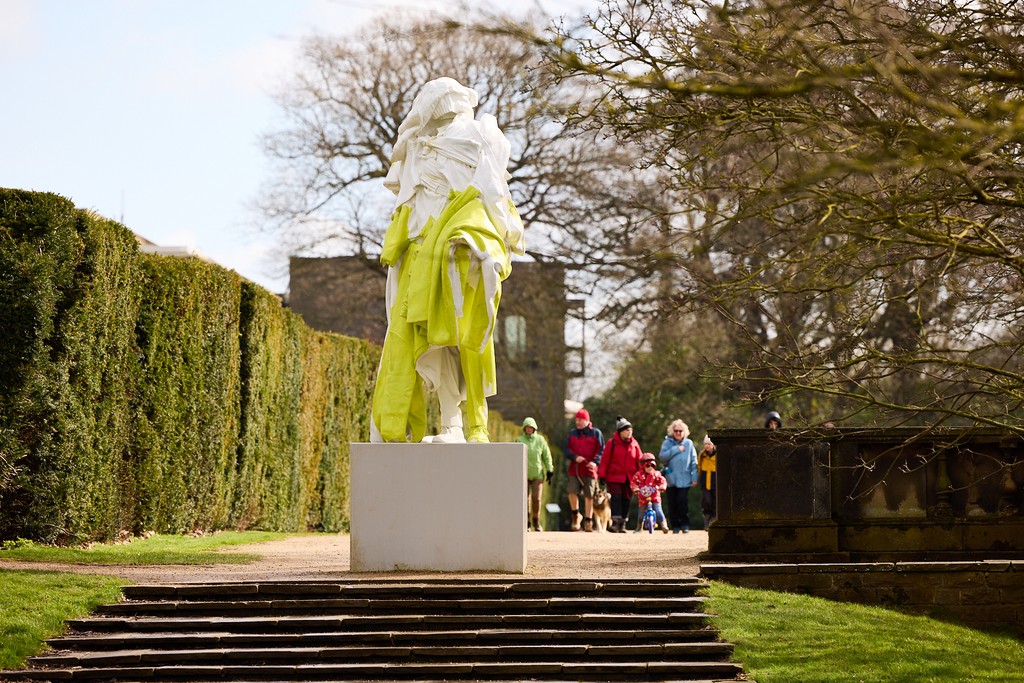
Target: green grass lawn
34	606
157	549
801	639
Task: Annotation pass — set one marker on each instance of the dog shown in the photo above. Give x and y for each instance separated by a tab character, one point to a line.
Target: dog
602	509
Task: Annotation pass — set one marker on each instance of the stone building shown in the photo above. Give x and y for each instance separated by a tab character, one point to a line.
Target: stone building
345	294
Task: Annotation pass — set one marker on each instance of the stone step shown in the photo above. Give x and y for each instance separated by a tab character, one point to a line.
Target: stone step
376	589
442	653
514	670
388	622
553	605
173	640
395	630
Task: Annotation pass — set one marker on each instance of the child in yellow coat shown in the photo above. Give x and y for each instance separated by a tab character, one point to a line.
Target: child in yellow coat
706	470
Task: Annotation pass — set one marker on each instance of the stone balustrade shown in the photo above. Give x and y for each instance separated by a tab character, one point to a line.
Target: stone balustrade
839	495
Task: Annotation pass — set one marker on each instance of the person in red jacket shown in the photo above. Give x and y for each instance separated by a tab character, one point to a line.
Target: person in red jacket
648	484
583	451
619	462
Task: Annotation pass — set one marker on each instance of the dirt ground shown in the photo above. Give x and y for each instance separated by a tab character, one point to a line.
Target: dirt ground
549	555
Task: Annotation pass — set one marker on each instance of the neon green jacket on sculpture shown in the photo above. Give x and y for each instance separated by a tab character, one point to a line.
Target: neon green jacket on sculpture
449	286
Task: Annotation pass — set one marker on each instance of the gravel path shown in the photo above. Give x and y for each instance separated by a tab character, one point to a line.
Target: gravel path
324	556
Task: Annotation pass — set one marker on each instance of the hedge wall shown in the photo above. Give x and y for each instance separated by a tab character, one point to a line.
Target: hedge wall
68	303
189	397
39	250
314	390
141	392
271	378
343	365
82	478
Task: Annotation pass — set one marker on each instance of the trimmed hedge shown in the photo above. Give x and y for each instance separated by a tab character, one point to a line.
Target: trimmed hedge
142	392
501	430
39	250
189	397
271	393
315	390
68	302
83	476
346	369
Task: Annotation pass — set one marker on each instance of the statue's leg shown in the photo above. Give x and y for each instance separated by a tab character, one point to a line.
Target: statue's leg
394	395
471	361
476	402
440	370
449	397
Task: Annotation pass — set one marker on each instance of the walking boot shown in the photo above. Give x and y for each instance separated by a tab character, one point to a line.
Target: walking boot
616	525
536	524
588	523
623	524
574	520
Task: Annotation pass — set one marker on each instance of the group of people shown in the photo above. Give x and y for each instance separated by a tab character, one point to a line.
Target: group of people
621	467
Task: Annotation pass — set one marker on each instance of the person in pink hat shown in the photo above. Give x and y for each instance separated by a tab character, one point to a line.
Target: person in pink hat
648	483
583	449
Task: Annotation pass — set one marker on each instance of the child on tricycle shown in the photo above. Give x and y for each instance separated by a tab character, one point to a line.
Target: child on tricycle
648	483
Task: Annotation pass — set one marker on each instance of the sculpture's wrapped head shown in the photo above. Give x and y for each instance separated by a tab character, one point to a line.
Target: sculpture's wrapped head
442	97
439	99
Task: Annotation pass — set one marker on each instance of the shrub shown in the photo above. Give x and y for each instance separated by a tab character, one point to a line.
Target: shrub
142	392
305	397
349	366
84	480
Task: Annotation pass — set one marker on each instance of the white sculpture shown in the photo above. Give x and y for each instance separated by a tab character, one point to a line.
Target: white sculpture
448	249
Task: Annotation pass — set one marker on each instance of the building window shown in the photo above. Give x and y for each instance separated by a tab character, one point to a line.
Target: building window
515	336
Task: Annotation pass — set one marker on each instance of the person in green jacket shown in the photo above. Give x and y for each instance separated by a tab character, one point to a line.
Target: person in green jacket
538	468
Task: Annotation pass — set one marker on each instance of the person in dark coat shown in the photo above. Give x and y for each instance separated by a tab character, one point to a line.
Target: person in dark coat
583	449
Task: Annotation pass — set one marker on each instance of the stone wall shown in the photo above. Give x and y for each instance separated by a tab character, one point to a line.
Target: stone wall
987	594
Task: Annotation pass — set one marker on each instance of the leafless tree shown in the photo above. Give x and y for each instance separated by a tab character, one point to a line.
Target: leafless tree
341	118
839	179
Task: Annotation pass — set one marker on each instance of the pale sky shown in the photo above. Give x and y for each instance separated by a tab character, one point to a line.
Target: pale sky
150	112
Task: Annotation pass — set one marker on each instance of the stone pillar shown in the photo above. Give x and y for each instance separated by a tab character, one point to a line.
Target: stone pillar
774	498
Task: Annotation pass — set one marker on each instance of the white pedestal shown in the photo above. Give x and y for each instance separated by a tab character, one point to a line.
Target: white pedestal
438	507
